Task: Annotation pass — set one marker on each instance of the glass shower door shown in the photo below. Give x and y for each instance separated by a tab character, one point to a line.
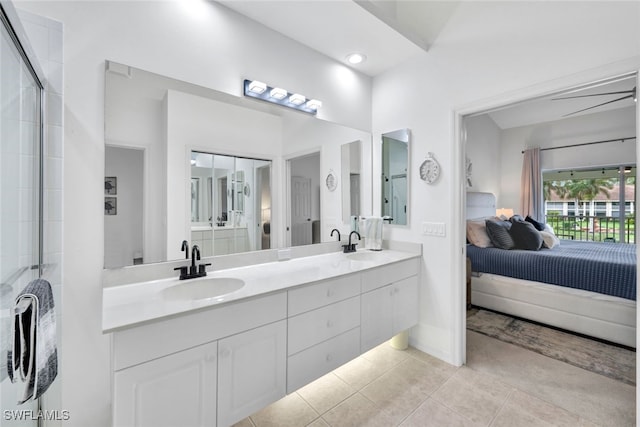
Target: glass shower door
20	204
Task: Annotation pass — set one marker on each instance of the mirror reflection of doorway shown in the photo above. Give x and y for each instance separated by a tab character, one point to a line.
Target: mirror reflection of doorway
399	198
304	200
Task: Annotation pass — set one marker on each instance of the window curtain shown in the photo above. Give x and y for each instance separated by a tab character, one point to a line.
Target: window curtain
531	185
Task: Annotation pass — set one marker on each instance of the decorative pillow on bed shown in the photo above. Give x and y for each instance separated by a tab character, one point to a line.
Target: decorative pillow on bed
549	240
498	232
477	233
538	225
525	236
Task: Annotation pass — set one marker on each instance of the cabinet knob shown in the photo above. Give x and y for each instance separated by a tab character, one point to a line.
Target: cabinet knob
329	357
329	292
329	324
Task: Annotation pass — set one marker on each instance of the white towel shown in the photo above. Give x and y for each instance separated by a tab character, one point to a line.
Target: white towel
33	356
371	230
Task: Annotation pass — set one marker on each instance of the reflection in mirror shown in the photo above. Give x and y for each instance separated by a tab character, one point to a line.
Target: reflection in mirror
351	164
242	220
304	200
395	164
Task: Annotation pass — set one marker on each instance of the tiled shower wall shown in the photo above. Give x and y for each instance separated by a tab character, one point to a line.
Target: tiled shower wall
46	36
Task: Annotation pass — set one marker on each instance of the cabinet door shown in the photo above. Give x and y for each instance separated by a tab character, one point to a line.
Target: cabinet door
405	304
377	317
179	389
252	371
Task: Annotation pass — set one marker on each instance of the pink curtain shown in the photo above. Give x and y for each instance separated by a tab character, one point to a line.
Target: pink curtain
531	185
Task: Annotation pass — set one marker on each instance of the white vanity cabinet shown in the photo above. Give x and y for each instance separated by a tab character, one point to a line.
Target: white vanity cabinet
174	390
223	363
323	328
251	371
389	305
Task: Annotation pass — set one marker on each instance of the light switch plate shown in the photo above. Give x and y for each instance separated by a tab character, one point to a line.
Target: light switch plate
433	229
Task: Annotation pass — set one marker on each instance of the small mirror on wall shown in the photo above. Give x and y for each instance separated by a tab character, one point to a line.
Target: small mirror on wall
395	177
351	165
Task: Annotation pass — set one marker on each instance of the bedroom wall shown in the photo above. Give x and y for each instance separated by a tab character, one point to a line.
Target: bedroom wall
483	149
487	51
591	127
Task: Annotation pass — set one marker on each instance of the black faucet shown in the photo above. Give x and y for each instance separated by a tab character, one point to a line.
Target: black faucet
351	247
195	270
337	231
185	249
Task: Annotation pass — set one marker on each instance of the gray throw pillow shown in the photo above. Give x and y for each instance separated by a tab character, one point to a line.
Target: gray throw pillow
525	236
498	232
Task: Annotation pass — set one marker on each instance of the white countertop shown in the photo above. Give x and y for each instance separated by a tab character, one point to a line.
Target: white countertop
133	304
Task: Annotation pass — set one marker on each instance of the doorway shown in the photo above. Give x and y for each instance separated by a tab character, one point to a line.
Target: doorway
304	200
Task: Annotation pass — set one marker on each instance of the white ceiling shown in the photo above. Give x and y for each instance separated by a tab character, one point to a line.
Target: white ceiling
390	32
547	109
387	32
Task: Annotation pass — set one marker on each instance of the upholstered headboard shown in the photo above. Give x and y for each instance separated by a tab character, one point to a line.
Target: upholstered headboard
480	205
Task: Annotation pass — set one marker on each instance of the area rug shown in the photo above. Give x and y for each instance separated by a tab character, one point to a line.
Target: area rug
595	356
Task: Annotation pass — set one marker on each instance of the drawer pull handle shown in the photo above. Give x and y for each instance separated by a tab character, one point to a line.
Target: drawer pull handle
329	324
329	357
329	293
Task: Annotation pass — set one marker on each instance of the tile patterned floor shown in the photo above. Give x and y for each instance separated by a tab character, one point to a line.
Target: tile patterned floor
501	385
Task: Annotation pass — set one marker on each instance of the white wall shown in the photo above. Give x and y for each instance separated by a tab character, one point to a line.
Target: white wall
487	52
483	149
215	48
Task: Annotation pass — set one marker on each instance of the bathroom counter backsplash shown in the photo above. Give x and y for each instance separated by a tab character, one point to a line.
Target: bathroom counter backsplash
132	304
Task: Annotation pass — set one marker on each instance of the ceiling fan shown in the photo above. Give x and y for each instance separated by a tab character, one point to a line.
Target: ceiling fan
627	94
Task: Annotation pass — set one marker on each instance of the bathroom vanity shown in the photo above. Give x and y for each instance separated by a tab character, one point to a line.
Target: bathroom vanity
182	356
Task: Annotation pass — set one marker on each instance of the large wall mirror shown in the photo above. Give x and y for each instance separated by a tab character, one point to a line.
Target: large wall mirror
156	127
395	177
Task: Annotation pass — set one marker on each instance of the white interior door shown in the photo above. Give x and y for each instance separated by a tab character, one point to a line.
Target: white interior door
300	211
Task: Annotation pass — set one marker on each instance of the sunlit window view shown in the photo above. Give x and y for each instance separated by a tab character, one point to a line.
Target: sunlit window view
595	204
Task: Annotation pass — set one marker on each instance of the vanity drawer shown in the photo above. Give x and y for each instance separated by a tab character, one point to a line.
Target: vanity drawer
160	338
384	275
323	293
313	327
314	362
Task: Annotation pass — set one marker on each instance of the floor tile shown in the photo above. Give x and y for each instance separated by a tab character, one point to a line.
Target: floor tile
403	388
359	372
474	395
385	356
326	392
357	411
434	414
594	397
290	411
244	423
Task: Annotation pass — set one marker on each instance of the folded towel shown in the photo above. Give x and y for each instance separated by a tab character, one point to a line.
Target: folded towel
33	356
371	230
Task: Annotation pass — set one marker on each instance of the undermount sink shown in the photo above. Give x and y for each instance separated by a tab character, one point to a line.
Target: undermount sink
366	256
202	288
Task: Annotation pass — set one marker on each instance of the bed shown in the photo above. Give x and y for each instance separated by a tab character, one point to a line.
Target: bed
585	287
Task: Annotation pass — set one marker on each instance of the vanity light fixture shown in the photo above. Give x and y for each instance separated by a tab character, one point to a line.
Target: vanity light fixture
297	99
280	96
257	87
278	93
314	104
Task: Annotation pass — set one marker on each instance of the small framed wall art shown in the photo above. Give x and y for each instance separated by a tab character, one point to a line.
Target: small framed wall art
110	185
111	206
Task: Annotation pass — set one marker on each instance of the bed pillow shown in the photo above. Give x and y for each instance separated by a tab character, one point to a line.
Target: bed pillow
549	240
538	225
477	233
516	218
525	236
498	232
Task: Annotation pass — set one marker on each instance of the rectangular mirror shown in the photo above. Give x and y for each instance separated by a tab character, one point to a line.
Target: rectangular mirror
395	184
154	123
351	170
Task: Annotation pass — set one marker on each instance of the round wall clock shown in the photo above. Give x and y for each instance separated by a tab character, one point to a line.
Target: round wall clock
331	181
430	169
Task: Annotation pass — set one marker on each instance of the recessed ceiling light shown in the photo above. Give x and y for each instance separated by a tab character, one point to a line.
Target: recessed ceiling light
356	58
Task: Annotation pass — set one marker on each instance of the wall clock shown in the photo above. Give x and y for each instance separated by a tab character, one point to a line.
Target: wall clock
430	169
331	181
